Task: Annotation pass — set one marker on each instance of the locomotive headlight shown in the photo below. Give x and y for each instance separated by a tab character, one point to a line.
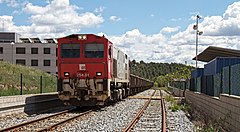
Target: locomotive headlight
79	37
66	74
84	37
99	74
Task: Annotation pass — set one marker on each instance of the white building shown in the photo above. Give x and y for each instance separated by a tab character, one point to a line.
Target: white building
29	51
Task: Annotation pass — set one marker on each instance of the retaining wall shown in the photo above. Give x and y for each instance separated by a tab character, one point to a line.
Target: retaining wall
29	104
224	106
176	92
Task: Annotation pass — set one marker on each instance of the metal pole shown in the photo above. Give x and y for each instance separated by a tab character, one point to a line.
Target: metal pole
40	84
21	85
196	41
229	79
196	50
12	43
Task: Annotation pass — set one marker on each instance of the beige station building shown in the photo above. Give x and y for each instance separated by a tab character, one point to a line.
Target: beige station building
29	51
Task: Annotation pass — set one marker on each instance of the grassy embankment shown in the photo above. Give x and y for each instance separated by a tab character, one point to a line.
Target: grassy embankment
10	80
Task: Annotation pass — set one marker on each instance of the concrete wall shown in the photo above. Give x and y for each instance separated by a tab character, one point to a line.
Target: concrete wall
29	104
176	92
224	106
215	107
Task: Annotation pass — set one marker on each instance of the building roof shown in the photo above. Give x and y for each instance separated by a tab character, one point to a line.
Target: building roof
51	40
36	40
212	52
26	40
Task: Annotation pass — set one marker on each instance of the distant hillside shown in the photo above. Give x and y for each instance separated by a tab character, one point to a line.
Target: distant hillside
10	79
153	70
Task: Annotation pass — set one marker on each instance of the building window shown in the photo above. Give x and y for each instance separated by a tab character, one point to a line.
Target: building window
20	50
56	63
48	72
1	59
46	62
34	50
21	61
1	50
34	62
46	51
56	51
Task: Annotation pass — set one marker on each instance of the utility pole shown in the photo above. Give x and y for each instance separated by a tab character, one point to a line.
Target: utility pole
195	27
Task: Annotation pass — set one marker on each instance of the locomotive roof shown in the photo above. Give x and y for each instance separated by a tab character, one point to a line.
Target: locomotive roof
76	35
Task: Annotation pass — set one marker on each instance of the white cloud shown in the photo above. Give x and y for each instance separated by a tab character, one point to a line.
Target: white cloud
56	18
176	19
59	18
169	29
152	15
11	3
114	18
226	25
221	31
99	10
62	15
138	45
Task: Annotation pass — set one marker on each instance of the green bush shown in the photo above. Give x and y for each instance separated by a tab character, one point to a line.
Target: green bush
10	80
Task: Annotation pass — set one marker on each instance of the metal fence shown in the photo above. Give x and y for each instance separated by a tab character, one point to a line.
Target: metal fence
226	82
19	84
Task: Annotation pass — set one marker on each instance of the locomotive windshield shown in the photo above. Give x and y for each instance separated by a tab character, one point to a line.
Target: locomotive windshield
70	50
94	51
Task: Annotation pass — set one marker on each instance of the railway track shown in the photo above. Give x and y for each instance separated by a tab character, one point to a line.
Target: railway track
47	123
151	117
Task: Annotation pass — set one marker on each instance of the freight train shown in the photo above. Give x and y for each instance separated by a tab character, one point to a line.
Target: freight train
92	71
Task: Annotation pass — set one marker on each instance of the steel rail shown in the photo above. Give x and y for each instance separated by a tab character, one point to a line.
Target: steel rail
33	121
139	114
64	121
164	125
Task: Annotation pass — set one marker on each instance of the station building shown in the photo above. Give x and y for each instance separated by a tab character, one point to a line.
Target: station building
29	51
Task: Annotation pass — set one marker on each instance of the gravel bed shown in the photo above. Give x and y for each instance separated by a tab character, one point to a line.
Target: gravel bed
111	118
164	93
157	93
47	122
14	119
177	121
146	93
108	119
151	119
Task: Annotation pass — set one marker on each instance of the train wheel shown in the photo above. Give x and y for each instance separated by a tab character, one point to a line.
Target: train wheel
123	93
115	94
127	92
120	95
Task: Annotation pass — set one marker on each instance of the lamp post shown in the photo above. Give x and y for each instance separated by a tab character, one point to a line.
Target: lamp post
12	43
195	27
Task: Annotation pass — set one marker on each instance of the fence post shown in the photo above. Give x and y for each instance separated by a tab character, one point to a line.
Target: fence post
21	85
229	78
40	84
221	82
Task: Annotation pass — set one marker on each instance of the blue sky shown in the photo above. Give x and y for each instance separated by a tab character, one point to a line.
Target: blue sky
165	27
148	16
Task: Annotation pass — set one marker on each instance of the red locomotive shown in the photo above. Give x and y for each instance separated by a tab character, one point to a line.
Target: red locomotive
92	71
